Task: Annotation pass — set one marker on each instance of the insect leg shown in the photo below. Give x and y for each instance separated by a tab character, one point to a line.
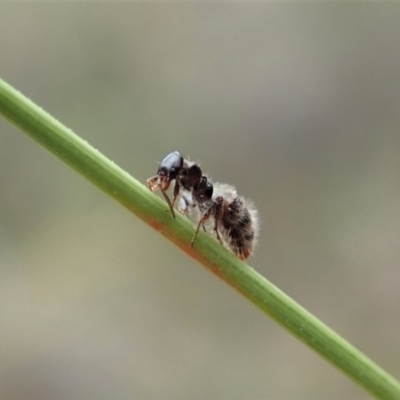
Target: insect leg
150	183
176	192
201	222
168	200
218	204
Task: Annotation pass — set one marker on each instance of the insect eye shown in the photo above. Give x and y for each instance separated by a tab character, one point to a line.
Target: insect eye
162	171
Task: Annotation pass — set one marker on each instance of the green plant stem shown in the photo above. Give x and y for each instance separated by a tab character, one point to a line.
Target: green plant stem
94	166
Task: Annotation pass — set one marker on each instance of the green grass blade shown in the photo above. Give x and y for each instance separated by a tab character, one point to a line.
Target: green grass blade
94	166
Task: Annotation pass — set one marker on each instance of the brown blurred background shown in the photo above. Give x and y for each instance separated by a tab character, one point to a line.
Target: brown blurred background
297	105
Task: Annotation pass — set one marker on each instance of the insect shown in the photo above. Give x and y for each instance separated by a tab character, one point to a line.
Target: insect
236	221
174	167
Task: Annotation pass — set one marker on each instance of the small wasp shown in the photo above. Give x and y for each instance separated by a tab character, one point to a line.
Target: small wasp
236	221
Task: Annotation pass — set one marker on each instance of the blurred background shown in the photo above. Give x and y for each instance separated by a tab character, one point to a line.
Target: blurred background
297	105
